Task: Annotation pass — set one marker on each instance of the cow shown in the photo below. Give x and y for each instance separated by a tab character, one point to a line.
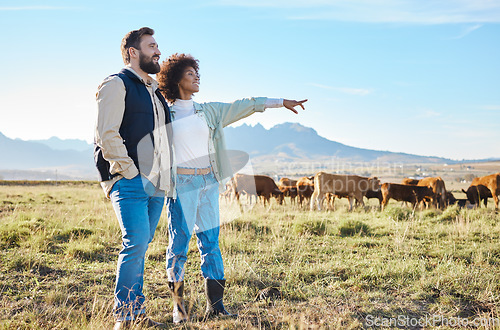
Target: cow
287	182
330	198
259	185
352	186
404	193
438	187
289	188
483	187
305	189
451	200
409	181
228	194
375	194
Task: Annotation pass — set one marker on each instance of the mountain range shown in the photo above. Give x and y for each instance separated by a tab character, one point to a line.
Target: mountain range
55	158
45	159
295	142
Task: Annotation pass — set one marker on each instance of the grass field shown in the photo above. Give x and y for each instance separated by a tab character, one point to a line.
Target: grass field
335	269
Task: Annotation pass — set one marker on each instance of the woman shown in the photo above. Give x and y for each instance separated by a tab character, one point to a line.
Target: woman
202	167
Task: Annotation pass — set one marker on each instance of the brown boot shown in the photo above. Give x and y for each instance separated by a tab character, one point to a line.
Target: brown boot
179	313
214	290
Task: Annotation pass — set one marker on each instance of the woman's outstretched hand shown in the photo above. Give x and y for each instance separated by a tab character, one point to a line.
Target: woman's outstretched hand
291	104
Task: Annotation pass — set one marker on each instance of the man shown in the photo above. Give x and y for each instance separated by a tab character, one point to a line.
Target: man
132	155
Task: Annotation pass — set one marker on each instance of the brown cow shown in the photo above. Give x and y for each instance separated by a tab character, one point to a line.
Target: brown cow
461	202
438	187
305	189
375	194
404	193
259	185
353	186
450	198
289	188
409	181
228	194
287	182
483	187
330	198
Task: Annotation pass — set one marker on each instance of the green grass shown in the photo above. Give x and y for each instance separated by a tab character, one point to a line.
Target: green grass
335	269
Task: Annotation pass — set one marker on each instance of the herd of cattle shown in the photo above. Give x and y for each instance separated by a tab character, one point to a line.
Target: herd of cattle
313	191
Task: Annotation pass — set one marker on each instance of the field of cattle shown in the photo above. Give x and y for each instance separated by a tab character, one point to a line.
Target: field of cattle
311	192
332	269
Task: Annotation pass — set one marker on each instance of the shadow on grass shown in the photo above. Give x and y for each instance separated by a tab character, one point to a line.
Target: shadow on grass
73	233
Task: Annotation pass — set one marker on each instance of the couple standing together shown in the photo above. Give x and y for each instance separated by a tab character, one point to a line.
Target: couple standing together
152	143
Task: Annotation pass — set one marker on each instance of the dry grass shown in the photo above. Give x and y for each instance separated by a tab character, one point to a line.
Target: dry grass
338	269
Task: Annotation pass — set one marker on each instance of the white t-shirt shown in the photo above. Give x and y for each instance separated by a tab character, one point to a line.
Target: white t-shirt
191	133
190	136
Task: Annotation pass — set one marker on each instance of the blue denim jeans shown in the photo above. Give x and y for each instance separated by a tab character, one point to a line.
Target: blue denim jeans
196	208
138	205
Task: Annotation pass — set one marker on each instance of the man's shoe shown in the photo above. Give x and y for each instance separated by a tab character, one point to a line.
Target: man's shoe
214	290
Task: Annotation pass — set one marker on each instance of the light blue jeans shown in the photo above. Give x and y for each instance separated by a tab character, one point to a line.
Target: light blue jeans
196	208
138	205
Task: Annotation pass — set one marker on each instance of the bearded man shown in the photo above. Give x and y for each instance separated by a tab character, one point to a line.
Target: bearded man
133	157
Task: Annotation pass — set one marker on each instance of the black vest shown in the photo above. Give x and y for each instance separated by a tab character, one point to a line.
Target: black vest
137	123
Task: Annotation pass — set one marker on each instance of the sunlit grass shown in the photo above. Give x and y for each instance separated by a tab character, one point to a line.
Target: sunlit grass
59	245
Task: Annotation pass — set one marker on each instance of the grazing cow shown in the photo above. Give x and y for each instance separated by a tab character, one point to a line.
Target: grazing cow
352	186
260	185
483	187
305	189
461	202
289	188
375	194
404	193
330	199
450	198
369	194
438	187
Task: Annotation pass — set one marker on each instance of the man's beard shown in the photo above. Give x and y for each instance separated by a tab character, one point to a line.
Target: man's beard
147	65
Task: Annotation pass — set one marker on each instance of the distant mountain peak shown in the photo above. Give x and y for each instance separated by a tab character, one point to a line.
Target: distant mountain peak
295	127
57	143
303	143
258	126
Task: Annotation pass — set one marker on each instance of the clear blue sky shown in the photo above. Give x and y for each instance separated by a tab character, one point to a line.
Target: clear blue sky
416	76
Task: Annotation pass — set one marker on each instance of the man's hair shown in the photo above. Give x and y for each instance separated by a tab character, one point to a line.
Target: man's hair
171	73
133	39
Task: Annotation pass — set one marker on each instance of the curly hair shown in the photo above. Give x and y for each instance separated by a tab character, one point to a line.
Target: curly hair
171	73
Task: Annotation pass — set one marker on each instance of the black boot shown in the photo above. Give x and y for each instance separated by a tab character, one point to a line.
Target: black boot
177	290
214	289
